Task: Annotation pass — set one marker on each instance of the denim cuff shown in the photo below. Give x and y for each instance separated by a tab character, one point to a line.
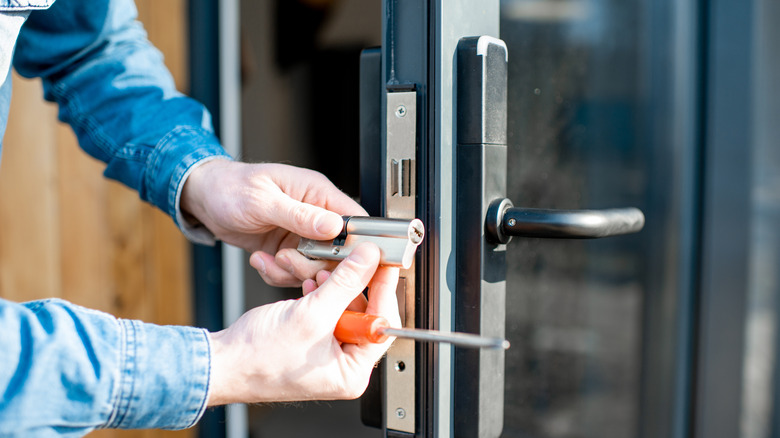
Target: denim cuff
171	161
164	377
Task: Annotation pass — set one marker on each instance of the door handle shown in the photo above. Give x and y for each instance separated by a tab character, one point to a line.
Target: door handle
504	220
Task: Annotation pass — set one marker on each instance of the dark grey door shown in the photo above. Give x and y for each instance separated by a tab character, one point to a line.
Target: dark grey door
573	310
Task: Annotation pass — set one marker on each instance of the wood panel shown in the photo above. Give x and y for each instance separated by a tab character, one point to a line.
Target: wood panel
70	233
29	205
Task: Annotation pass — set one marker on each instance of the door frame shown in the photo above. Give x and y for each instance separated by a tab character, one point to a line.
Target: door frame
419	47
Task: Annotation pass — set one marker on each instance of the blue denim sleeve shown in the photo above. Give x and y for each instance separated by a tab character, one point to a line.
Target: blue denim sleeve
67	370
114	90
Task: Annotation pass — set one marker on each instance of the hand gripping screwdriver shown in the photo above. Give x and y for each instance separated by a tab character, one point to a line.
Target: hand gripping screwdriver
362	328
397	240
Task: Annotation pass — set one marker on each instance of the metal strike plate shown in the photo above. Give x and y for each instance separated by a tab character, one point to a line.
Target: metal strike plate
400	193
397	240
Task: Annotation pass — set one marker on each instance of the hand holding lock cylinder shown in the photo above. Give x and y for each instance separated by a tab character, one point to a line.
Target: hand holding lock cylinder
397	240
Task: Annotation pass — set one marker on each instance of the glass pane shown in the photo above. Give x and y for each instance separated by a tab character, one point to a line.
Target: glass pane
590	127
760	382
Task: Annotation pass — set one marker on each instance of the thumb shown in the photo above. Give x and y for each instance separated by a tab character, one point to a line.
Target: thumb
348	280
304	219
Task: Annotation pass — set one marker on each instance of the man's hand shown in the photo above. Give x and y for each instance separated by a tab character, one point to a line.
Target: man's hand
286	351
265	209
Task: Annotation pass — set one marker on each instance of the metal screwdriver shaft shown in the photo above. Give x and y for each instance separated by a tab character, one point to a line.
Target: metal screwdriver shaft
467	340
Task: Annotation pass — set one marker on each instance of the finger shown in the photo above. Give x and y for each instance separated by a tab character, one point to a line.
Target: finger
382	301
299	266
271	272
382	295
358	304
269	242
319	191
347	281
290	240
304	219
322	277
308	286
342	204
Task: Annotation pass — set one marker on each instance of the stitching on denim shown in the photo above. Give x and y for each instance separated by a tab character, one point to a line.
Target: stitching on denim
116	398
27	3
178	173
156	156
91	128
174	196
204	404
15	5
22	8
134	152
127	373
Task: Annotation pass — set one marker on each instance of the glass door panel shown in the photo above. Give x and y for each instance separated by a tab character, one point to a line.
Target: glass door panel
589	127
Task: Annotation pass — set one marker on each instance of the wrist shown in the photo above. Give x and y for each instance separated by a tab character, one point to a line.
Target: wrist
220	390
192	203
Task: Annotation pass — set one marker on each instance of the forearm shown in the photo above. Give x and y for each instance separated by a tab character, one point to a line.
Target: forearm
69	367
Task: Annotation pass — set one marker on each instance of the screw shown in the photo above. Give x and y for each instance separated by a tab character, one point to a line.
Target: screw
400	413
400	111
335	251
511	222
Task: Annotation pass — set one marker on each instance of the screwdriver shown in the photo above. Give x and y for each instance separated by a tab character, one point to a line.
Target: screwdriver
362	328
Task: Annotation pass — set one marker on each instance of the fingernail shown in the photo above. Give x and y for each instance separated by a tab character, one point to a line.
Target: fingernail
328	224
284	262
259	264
357	258
308	285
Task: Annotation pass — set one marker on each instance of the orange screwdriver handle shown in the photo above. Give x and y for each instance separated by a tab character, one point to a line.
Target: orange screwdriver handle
360	328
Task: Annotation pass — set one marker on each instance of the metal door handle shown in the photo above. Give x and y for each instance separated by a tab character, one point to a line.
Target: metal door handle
504	221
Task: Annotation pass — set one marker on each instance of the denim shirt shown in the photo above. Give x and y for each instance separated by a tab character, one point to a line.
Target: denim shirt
65	370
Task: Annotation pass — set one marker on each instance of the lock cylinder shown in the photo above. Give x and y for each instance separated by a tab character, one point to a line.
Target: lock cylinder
397	240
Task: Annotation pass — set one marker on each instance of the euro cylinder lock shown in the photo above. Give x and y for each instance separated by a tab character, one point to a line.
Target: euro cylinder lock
397	240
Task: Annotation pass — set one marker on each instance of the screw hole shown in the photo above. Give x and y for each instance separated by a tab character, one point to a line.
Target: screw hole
400	366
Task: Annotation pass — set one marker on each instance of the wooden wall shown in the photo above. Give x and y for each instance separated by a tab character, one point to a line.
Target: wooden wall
67	232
